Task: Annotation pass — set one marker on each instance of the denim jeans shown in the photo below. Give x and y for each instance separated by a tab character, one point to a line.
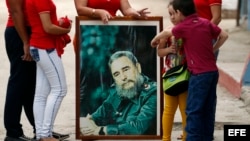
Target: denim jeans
51	88
21	85
201	106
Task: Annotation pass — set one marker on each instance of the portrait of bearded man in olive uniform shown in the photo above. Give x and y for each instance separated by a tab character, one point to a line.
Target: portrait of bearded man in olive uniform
131	106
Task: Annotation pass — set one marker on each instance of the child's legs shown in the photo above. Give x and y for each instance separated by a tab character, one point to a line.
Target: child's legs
197	102
170	106
182	107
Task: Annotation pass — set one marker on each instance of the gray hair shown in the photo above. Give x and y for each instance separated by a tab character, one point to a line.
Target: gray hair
119	54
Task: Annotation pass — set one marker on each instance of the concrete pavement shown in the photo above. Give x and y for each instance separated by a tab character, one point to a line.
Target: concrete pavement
231	62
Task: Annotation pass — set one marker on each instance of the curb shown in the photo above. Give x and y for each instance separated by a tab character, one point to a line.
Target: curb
232	85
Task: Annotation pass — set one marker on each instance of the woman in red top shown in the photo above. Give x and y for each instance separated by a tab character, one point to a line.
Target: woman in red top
51	84
211	10
106	9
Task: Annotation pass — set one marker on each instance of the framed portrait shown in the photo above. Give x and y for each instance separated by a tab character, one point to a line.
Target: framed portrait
118	79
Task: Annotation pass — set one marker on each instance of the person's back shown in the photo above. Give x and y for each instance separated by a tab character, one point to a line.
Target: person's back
211	10
197	34
39	37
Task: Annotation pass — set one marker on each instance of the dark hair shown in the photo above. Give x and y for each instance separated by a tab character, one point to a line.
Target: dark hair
186	7
119	54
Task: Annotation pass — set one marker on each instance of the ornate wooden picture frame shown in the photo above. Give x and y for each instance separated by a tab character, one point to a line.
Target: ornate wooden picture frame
102	113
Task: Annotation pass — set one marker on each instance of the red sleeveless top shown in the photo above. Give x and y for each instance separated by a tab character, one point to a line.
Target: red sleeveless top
110	5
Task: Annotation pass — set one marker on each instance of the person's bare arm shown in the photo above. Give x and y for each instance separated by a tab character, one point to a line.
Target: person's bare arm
216	14
51	28
223	36
127	10
163	50
17	14
83	10
162	35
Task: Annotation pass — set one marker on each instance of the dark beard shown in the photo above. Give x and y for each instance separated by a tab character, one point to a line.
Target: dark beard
133	91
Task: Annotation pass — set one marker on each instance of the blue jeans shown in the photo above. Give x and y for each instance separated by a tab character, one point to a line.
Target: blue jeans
201	106
21	85
51	88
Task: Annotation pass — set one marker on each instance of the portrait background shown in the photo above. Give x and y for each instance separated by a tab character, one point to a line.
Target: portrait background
96	42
